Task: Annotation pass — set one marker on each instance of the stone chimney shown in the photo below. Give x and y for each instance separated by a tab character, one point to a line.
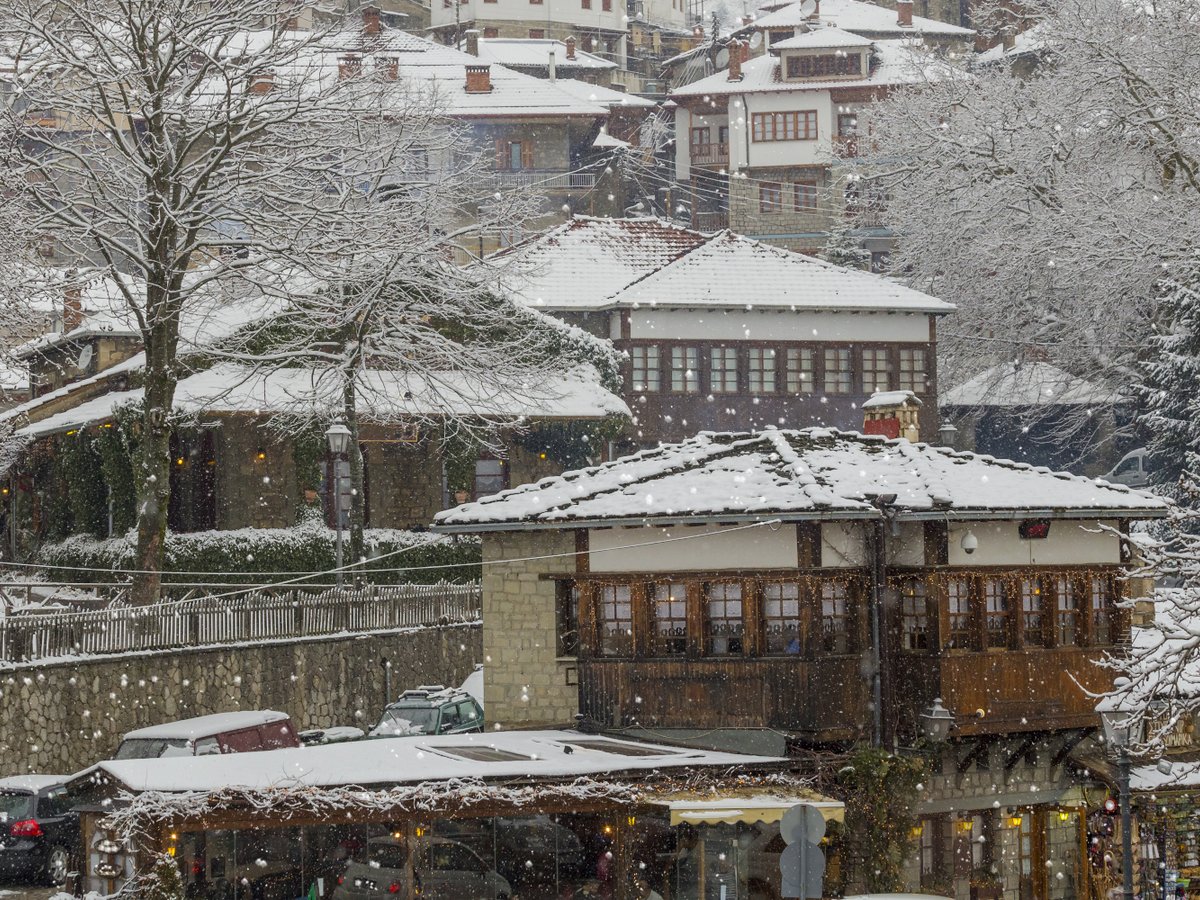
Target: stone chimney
736	52
550	69
349	67
893	414
261	82
904	9
72	307
479	79
1008	37
571	46
472	46
372	25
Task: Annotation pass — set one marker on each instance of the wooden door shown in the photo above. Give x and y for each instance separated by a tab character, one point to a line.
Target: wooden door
1031	854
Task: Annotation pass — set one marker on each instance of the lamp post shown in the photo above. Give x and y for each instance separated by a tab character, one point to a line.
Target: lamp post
936	722
338	437
1118	734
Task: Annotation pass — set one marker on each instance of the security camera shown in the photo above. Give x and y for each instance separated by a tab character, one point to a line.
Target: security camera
969	543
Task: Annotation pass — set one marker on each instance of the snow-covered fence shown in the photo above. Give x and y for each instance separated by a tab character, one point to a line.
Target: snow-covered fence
250	616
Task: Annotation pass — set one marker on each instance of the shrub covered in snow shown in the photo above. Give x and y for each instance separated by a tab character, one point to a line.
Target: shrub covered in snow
263	555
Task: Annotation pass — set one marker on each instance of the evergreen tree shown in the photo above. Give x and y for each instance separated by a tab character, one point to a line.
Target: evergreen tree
843	248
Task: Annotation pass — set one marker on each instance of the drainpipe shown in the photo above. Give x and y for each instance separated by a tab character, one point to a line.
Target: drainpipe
878	550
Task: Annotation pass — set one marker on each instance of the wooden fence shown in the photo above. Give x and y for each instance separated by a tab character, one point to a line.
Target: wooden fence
253	615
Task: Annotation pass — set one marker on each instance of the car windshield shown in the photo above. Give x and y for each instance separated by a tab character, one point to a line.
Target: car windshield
15	806
152	748
400	720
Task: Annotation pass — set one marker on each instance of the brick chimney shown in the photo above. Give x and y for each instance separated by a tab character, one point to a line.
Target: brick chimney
349	67
389	68
746	20
372	25
893	414
571	46
261	82
904	9
472	38
479	79
72	307
736	52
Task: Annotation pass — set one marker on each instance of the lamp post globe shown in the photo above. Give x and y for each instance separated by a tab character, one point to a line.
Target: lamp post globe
936	722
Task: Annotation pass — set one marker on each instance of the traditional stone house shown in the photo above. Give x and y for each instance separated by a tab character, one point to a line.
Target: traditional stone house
796	590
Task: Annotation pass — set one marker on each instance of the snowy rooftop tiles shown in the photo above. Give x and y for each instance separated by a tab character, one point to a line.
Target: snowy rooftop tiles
527	53
1010	385
598	264
860	18
821	39
812	473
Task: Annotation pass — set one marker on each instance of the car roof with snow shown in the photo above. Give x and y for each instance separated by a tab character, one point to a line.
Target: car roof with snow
207	726
793	475
32	783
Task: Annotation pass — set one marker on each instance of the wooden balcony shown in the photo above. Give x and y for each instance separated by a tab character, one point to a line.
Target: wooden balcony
545	180
709	154
710	220
824	699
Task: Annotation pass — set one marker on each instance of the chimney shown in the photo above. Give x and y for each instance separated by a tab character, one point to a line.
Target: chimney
571	46
893	414
1008	37
735	60
550	70
390	68
479	79
349	67
72	307
746	20
261	82
372	26
904	10
472	38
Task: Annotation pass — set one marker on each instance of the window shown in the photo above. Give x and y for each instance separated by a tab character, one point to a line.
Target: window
491	32
914	615
837	371
512	156
801	371
723	618
819	66
847	124
685	365
566	615
762	370
537	34
670	619
996	612
1066	612
804	195
723	370
586	4
491	477
1102	612
835	617
784	126
722	134
770	197
647	372
616	620
781	617
877	371
700	136
1031	612
958	595
606	5
912	370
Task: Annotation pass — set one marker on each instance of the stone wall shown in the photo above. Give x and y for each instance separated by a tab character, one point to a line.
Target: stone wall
525	682
61	718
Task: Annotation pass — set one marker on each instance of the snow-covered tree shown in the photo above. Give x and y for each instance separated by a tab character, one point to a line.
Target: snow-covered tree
1049	206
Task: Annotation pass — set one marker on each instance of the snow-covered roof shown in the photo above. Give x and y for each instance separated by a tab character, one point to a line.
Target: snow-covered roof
813	473
207	726
1028	41
597	264
594	93
525	755
31	783
822	38
1183	775
606	141
384	397
527	53
859	18
1024	384
891	398
898	62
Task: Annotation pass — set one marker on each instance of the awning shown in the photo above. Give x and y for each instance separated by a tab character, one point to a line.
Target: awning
750	808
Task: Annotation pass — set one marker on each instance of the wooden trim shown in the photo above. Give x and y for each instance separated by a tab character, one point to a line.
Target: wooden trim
588	621
808	545
713	575
752	621
695	619
937	544
582	547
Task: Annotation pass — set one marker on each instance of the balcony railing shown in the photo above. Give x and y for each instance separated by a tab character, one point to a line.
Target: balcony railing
547	181
710	221
710	154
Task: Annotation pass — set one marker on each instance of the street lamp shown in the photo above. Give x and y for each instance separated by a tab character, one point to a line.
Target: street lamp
338	437
1119	725
936	722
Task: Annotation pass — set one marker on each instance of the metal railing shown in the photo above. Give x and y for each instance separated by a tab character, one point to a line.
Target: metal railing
547	181
709	154
256	614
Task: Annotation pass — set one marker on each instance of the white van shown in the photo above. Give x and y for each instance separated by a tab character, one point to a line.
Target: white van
1132	470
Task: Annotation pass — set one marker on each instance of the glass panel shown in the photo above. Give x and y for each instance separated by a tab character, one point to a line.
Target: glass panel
1031	612
877	370
837	371
1067	605
781	616
835	622
723	370
996	607
914	615
912	371
801	371
616	620
685	364
958	596
762	370
1102	631
647	374
723	621
670	619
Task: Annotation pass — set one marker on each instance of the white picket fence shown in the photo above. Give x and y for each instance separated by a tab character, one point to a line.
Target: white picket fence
252	615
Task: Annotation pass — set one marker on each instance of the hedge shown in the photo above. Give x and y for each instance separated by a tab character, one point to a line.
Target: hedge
231	556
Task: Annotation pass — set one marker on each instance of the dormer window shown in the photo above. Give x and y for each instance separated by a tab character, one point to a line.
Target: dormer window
824	65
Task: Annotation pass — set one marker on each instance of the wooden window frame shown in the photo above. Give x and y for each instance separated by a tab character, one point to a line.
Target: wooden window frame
654	643
719	376
770	197
909	374
689	384
790	125
794	364
916	607
709	599
805	187
646	358
568	636
600	603
767	376
837	388
873	351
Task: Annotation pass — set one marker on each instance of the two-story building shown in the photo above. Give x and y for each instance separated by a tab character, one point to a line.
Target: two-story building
789	590
723	332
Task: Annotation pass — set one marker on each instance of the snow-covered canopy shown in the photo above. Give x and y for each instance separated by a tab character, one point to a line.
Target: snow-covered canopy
809	474
598	264
524	755
859	18
1025	384
207	726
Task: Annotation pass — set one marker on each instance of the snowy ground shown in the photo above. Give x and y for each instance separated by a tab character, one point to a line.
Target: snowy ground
25	892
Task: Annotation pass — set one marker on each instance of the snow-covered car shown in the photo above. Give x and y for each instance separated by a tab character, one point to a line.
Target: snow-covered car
334	734
430	709
443	870
1133	470
473	685
232	732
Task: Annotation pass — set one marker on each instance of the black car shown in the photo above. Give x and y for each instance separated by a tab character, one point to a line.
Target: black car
38	829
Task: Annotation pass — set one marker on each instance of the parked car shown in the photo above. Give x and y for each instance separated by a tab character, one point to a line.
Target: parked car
473	685
430	709
38	828
233	732
443	870
1133	470
334	734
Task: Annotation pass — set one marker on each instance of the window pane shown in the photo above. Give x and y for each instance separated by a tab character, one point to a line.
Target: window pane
1102	609
781	616
958	596
616	620
877	370
723	370
912	371
1031	612
670	619
762	370
805	195
914	615
996	610
835	621
837	371
801	369
646	369
490	476
685	363
1066	632
723	619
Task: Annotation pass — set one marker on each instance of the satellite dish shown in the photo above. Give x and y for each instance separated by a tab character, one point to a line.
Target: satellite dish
756	40
722	59
808	8
85	358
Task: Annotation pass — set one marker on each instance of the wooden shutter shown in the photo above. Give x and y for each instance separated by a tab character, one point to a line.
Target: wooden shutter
501	154
526	154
